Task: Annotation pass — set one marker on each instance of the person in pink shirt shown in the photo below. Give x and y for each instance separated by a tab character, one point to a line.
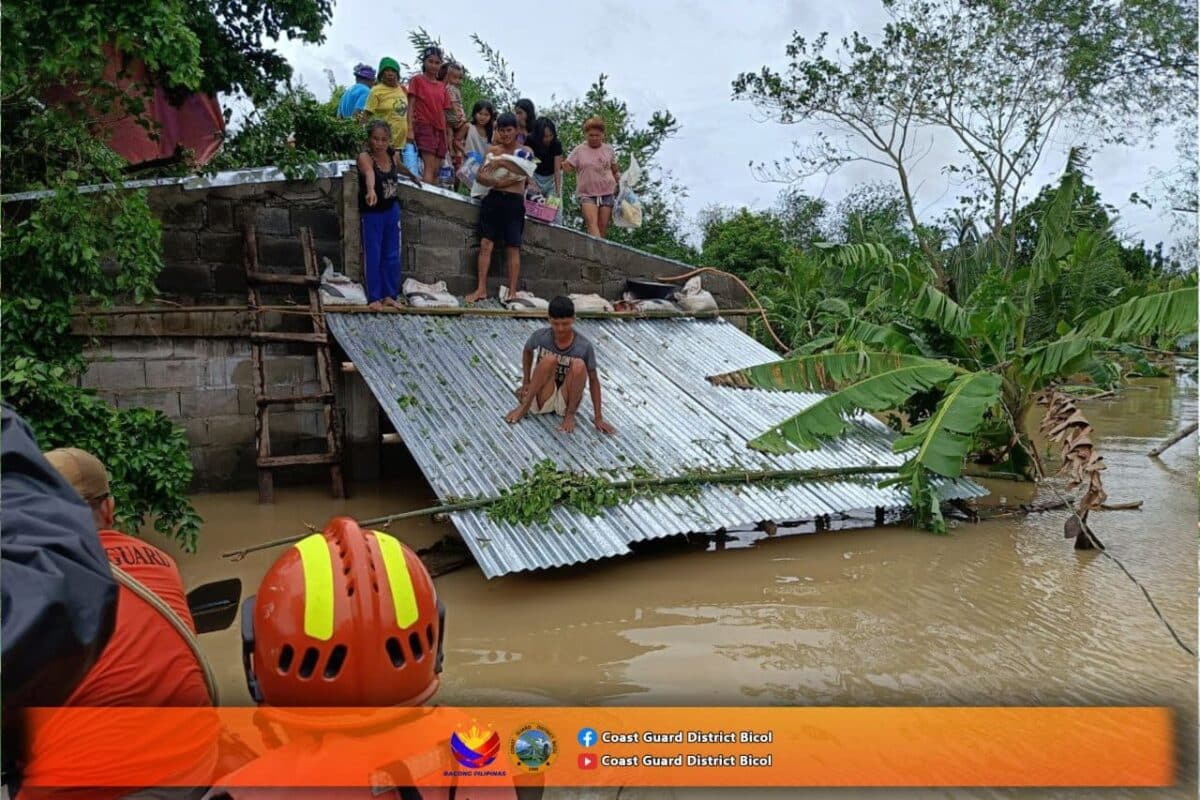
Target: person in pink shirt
595	164
428	103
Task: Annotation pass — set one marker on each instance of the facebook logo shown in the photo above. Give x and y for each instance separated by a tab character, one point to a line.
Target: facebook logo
587	737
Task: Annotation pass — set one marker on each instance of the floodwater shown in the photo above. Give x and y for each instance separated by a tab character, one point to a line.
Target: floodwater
997	613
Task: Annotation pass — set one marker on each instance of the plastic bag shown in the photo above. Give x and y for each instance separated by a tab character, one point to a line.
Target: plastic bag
338	290
470	166
693	299
627	212
428	295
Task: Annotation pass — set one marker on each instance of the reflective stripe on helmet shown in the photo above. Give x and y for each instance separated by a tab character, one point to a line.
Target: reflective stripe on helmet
404	596
318	586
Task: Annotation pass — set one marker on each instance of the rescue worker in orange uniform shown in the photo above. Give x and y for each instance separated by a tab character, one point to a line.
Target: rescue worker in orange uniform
346	619
151	660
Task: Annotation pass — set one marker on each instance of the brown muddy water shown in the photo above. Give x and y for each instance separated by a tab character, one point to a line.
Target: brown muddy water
997	613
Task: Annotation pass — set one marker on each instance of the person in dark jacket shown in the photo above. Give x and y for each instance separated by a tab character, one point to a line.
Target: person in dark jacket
58	595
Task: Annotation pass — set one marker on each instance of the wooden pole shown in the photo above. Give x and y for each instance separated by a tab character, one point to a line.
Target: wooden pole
737	476
1174	440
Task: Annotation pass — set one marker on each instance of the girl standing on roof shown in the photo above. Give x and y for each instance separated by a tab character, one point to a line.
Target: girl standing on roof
549	152
379	171
596	165
427	113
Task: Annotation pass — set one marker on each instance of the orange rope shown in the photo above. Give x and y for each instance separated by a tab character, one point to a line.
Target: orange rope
762	311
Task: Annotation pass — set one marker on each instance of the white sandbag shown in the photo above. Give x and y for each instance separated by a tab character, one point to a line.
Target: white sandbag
590	302
338	290
695	300
428	295
656	304
631	302
522	301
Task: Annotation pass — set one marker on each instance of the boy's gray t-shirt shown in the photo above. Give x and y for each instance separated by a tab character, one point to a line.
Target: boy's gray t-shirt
543	342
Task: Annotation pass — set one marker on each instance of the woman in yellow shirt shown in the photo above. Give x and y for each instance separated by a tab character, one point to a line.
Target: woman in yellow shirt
389	102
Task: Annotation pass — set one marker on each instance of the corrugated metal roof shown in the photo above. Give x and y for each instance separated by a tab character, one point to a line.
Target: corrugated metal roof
461	372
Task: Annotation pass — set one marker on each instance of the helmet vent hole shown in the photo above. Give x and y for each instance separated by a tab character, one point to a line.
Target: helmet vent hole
395	652
414	642
308	664
285	659
334	664
429	635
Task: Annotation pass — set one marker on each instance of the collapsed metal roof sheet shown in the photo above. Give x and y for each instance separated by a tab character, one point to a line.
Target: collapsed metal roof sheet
446	382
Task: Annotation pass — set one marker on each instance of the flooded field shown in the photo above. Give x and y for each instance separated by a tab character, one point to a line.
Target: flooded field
997	613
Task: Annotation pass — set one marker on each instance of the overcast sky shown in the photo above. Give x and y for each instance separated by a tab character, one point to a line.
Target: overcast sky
682	55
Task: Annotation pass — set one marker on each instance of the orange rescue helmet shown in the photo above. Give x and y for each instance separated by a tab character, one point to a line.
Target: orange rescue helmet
345	617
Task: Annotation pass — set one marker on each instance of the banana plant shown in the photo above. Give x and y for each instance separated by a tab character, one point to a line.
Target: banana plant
987	376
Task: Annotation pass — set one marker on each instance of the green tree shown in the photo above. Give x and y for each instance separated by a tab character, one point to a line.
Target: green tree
103	246
983	371
294	131
742	241
999	78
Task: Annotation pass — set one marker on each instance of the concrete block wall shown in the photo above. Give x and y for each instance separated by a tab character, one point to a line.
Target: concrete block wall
440	242
194	365
207	386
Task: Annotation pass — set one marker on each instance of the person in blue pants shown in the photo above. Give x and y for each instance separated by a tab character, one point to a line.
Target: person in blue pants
379	172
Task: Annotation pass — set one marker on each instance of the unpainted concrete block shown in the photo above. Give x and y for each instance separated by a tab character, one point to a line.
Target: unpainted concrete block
547	289
221	247
557	268
166	401
185	280
231	371
179	245
231	430
142	348
323	222
220	214
229	279
273	222
208	402
176	373
218	465
281	252
120	376
441	232
186	215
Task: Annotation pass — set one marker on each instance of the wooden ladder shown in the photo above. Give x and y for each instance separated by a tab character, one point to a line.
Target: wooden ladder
319	338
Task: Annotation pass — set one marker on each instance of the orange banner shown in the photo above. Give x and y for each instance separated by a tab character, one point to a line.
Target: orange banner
607	746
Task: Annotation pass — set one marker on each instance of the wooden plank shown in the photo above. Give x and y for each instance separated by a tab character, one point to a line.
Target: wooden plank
262	420
272	278
464	311
277	336
318	397
324	365
289	461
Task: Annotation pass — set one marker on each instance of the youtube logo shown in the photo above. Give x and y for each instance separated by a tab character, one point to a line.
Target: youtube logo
588	761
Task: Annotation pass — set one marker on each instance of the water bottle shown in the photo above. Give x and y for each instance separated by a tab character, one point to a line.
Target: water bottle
445	177
411	159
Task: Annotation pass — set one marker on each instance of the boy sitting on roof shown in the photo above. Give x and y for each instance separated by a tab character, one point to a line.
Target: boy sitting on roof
565	362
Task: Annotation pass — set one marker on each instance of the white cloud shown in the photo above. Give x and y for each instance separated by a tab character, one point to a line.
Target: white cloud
683	55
